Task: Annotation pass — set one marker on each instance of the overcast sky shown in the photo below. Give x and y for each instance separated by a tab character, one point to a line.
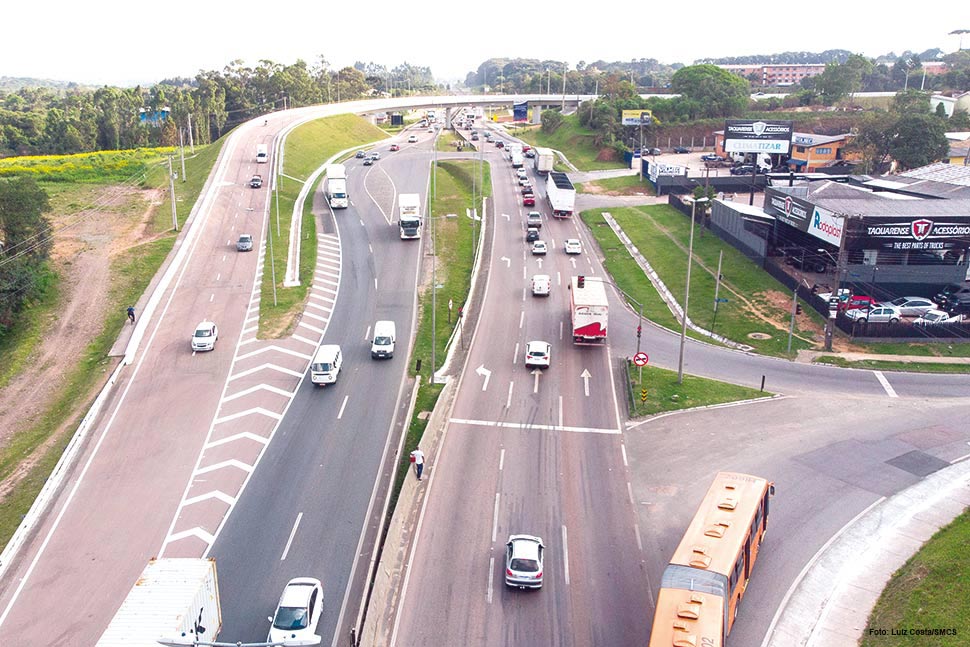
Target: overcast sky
122	43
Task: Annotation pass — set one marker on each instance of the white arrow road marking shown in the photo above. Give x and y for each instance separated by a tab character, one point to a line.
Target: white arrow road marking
507	216
508	261
585	375
537	373
484	372
573	261
540	263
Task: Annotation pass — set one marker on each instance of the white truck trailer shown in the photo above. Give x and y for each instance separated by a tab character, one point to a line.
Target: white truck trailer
337	186
588	310
174	598
410	218
544	160
262	154
561	194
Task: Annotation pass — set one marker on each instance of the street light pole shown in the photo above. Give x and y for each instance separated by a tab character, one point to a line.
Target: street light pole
690	256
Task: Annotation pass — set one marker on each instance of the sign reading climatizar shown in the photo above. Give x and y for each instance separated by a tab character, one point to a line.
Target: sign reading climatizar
746	136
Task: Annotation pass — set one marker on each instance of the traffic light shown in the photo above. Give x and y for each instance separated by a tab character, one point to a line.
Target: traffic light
798	308
580	281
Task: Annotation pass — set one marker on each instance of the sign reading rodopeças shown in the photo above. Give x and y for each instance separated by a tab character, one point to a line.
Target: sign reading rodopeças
744	136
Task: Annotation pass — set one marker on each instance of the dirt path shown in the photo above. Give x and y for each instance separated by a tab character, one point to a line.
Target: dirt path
86	243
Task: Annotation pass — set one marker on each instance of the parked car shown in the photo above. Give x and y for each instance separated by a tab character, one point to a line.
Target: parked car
878	314
950	293
528	200
712	157
523	561
245	243
573	246
912	306
743	169
394	147
297	612
808	259
652	151
538	353
934	317
681	149
538	248
858	302
205	336
531	234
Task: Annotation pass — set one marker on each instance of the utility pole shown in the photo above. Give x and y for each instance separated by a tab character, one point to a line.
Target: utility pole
191	140
171	193
182	154
564	87
840	269
717	288
690	256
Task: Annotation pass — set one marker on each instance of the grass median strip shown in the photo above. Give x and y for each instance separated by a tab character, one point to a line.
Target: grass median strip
659	392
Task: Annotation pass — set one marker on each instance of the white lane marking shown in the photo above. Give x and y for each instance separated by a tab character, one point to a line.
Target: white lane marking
367	334
560	331
341	412
218	277
558	278
507	217
498	496
623	451
515	357
565	556
484	372
636	529
885	384
501	460
528	425
488	585
523	293
375	284
521	319
629	491
289	541
369	247
508	401
560	411
362	223
212	297
224	257
537	373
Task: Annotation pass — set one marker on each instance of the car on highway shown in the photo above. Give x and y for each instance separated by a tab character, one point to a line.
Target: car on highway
541	285
912	306
374	155
538	353
297	612
205	336
681	149
431	129
412	139
245	243
534	219
499	143
933	317
528	200
530	153
573	246
474	137
523	558
360	155
521	173
368	161
524	181
394	147
527	190
538	248
878	314
531	234
256	181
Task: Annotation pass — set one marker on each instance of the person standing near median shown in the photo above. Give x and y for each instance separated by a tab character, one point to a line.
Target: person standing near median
417	457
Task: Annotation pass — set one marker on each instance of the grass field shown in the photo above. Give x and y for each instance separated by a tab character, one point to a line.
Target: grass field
573	140
307	147
624	185
663	393
932	590
99	167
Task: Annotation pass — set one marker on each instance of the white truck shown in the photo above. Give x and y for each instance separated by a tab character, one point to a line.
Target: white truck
337	186
762	160
516	157
561	194
410	218
174	598
262	154
588	310
544	160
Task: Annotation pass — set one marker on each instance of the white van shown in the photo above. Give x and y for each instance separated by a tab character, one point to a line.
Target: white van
384	338
541	284
326	364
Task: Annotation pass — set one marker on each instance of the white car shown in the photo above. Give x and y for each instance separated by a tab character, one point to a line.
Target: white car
912	306
524	181
205	336
539	248
573	246
876	314
538	353
523	562
412	139
298	611
932	317
521	173
541	285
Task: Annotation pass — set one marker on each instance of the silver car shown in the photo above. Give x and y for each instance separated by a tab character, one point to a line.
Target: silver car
523	562
912	306
245	243
877	314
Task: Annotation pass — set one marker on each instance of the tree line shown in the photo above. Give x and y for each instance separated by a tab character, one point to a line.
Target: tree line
48	120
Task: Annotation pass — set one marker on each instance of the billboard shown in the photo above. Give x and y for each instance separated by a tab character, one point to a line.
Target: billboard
805	216
746	136
520	111
637	118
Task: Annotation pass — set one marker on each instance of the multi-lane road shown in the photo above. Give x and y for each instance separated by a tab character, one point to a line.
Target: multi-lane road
231	454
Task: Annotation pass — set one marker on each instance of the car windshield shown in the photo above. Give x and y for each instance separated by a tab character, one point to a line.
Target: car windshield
524	565
289	618
321	367
900	301
203	332
382	341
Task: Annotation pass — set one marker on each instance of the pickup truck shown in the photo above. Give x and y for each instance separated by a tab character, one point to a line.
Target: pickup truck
256	182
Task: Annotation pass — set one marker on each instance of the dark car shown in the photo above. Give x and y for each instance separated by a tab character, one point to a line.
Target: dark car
531	234
681	149
711	157
653	151
530	153
743	169
499	143
806	259
527	190
951	293
360	155
474	137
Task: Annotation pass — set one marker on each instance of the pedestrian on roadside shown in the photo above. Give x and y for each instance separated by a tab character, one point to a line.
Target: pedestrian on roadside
417	457
131	314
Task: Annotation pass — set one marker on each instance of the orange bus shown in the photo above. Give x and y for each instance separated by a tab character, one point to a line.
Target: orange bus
703	585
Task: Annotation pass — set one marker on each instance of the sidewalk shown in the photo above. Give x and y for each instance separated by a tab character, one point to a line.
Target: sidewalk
808	356
830	602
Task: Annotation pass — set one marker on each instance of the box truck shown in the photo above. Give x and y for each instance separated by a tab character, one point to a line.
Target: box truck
588	310
262	154
174	598
544	160
561	194
410	218
337	186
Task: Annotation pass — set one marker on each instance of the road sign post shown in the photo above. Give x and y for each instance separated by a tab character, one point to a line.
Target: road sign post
640	359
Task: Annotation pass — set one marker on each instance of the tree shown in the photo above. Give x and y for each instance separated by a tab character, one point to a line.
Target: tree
919	140
911	102
26	236
874	139
959	121
712	91
551	120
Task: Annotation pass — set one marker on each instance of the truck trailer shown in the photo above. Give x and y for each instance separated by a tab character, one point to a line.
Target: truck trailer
588	310
262	154
561	194
410	218
544	160
174	598
337	186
